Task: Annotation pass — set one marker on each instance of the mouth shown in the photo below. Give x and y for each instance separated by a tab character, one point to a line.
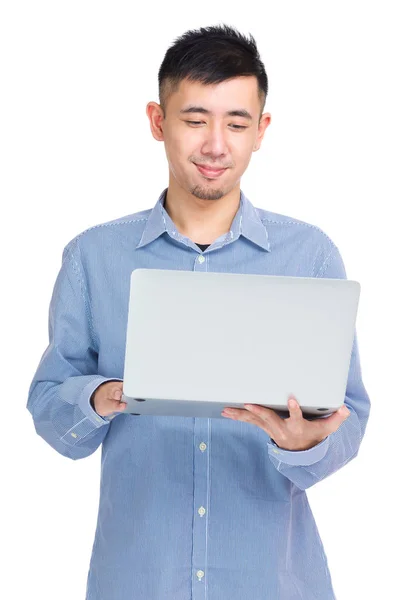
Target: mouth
210	173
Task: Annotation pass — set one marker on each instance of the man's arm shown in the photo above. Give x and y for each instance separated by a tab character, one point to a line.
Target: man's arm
59	395
306	467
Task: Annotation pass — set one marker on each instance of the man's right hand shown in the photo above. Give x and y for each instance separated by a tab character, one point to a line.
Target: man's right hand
106	399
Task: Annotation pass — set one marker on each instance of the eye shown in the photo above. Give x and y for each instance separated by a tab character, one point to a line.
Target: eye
233	125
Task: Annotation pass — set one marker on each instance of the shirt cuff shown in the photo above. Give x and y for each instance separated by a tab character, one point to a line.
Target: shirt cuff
302	458
84	401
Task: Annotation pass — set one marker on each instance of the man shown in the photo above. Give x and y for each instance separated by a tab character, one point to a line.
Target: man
191	508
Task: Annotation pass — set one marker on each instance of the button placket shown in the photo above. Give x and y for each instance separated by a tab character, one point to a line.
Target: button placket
201	483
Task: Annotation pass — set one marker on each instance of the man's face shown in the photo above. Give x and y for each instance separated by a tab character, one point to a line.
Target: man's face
210	139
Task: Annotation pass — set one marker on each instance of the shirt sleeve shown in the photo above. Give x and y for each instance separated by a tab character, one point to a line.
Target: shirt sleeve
67	375
306	467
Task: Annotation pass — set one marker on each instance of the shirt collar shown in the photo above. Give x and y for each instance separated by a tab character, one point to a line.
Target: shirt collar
246	222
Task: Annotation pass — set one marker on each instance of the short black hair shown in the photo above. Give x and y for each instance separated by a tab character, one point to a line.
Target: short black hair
211	55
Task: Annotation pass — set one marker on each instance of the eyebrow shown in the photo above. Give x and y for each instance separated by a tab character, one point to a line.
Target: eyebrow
240	112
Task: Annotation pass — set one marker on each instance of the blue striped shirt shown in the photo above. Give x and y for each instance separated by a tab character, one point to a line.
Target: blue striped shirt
190	508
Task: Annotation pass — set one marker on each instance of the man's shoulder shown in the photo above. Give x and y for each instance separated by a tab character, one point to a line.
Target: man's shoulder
268	216
130	224
273	220
131	219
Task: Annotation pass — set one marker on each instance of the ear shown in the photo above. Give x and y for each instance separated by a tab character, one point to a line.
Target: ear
264	122
156	116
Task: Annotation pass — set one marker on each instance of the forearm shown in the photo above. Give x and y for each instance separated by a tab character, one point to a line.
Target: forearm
307	467
63	416
67	374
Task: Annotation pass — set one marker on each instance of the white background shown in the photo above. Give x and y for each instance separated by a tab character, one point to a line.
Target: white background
76	150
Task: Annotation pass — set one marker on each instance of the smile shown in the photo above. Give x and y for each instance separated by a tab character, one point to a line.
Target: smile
210	173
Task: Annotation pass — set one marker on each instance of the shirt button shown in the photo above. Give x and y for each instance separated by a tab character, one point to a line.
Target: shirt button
201	259
203	446
202	511
200	575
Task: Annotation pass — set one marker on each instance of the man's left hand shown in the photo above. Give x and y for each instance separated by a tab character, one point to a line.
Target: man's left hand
291	433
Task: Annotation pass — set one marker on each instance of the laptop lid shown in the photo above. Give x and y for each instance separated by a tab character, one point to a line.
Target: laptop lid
200	341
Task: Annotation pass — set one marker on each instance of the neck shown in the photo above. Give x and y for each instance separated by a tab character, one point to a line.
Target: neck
202	221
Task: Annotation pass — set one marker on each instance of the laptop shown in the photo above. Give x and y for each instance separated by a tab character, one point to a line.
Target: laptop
197	342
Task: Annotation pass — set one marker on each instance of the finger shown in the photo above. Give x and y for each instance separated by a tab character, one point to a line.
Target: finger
264	417
239	414
117	401
262	412
121	406
117	407
116	394
232	412
295	412
332	423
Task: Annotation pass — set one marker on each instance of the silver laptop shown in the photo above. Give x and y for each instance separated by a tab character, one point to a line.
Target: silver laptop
199	342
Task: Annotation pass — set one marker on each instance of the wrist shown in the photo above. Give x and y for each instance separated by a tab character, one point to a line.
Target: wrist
301	447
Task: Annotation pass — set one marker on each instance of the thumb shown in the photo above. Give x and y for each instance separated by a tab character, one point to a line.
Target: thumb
117	394
338	417
344	412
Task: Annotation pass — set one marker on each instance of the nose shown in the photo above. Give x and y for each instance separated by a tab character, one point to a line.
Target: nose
215	144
